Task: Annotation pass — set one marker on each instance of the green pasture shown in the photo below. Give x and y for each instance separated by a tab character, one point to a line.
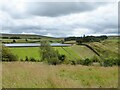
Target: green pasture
30	52
34	52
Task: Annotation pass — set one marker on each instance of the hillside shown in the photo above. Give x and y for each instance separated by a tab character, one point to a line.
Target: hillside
8	38
23	36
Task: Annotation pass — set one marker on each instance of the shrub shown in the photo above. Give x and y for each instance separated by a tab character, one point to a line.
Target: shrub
33	59
62	57
118	61
108	62
87	62
95	59
66	61
26	58
14	41
73	62
80	62
21	59
7	55
26	40
53	61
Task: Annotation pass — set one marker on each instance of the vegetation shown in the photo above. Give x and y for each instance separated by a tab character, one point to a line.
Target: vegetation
80	40
7	55
39	75
83	68
76	54
15	38
48	53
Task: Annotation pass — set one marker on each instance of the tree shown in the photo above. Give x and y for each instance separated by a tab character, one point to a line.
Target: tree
7	55
14	41
26	40
48	53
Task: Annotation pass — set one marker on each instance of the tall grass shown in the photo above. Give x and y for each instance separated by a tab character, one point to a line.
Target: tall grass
39	75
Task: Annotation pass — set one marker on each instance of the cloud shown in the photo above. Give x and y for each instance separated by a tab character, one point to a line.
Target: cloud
61	19
53	9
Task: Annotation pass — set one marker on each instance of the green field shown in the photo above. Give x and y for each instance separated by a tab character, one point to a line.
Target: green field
74	52
39	75
34	52
22	52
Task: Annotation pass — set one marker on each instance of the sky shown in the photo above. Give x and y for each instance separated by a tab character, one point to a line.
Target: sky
59	19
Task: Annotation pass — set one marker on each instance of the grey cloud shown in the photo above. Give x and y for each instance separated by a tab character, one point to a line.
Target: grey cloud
53	9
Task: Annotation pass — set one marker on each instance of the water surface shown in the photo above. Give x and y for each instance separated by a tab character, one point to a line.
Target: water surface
33	44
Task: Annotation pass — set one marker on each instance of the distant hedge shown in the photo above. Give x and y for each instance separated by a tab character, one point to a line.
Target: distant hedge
15	38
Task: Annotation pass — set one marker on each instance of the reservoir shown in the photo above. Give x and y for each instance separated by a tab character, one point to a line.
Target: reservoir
33	44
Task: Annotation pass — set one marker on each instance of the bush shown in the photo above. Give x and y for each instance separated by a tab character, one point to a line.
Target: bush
14	41
53	61
108	62
21	59
80	62
73	62
7	55
62	57
33	59
95	59
26	58
87	62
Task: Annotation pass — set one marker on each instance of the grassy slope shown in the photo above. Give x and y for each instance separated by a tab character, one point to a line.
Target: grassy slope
106	48
83	51
68	52
38	75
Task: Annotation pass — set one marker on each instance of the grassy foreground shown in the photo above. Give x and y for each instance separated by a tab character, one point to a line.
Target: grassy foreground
40	75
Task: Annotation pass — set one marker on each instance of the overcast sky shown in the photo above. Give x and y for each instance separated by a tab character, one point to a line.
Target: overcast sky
59	19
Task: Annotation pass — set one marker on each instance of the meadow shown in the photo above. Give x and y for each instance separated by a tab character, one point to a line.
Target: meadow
40	75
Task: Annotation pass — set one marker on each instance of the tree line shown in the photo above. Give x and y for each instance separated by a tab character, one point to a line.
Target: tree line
86	38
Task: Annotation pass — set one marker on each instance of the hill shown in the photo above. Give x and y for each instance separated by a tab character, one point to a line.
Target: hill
31	38
23	36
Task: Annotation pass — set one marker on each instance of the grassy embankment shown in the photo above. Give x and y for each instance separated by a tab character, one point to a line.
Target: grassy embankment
39	75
